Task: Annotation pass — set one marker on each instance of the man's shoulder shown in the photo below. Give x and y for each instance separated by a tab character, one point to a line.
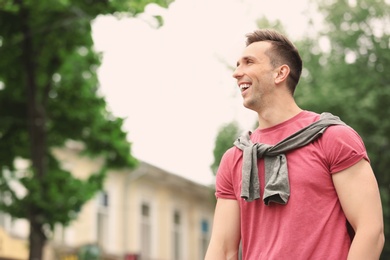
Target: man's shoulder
310	115
231	157
232	152
305	118
340	132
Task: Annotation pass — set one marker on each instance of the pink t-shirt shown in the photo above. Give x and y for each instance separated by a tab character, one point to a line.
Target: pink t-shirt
312	224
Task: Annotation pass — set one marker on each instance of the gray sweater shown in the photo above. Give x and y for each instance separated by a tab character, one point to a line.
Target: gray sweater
277	187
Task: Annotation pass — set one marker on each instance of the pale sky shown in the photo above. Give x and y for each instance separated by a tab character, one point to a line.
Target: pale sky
172	84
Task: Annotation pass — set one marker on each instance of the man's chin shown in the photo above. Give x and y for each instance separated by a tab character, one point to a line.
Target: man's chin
249	106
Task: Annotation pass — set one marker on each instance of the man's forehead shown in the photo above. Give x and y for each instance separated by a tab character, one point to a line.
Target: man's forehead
254	50
256	47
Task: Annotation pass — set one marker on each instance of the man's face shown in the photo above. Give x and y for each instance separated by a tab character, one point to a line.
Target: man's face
255	76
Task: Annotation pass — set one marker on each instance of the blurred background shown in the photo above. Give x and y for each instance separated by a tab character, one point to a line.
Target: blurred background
114	115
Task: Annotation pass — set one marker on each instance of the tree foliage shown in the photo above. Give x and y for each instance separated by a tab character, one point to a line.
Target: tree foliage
345	73
49	94
227	134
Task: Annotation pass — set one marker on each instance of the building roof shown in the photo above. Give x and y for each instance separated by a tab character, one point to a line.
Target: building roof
163	177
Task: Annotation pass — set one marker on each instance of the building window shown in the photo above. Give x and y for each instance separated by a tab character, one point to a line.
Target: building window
204	237
102	219
103	199
2	219
177	235
146	231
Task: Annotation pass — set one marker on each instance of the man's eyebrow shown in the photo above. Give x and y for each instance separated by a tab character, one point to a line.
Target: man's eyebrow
244	58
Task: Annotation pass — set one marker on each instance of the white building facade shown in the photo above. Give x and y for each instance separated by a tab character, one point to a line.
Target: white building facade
145	213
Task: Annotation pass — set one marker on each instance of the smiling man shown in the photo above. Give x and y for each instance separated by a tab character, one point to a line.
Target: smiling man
291	188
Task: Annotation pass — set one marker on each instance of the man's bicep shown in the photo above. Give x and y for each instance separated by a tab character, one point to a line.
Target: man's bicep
358	193
225	237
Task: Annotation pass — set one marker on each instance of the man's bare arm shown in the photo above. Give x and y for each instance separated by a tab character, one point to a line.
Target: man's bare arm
359	196
225	237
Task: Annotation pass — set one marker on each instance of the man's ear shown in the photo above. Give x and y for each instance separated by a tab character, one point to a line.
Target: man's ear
282	73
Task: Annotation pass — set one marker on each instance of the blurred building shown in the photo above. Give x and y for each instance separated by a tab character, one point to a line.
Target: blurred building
11	247
146	213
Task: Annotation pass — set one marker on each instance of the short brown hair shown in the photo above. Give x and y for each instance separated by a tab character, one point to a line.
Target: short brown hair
282	52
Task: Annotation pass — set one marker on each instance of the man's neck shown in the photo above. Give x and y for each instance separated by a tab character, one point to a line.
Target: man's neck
278	114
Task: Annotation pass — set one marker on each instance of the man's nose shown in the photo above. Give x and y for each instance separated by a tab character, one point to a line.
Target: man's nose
237	73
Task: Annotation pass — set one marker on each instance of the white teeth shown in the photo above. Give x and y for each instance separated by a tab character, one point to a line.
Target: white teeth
244	86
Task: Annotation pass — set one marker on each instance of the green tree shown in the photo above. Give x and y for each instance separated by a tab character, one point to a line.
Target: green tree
226	136
345	74
48	96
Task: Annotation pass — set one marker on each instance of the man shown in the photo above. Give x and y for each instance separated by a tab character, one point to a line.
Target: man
290	189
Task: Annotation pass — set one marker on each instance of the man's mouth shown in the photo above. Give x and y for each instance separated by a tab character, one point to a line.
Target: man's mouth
243	87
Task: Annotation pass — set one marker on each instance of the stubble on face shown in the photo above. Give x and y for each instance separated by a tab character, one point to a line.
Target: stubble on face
260	73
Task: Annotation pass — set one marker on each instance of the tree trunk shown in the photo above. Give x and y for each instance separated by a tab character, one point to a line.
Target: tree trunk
37	135
37	240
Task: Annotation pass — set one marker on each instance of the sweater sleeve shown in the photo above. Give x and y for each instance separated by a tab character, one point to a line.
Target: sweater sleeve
343	148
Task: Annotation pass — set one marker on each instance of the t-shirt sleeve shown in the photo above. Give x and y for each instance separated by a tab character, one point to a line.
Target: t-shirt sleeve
343	148
224	179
